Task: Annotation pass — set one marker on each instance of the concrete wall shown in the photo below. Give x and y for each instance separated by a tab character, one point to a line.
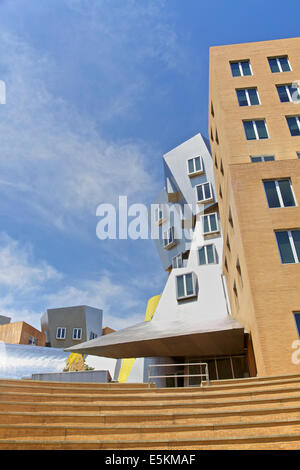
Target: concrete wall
97	376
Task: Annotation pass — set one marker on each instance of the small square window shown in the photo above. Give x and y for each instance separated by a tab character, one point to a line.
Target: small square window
77	333
60	333
288	93
158	214
177	261
256	129
210	224
263	158
195	166
207	255
289	246
297	321
169	238
186	286
279	193
279	64
204	192
240	68
294	125
247	97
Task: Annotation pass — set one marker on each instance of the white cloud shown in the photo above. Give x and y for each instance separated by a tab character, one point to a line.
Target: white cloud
26	282
18	271
60	165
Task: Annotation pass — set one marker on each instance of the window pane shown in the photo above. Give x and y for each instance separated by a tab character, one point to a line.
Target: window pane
189	284
256	159
180	286
200	195
249	130
213	222
235	69
273	65
246	68
272	196
253	96
205	224
297	320
296	238
283	96
242	99
191	166
261	129
286	193
292	123
197	164
202	259
269	158
284	64
207	191
284	247
294	91
210	254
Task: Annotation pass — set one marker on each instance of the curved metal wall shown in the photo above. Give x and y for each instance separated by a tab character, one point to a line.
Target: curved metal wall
18	360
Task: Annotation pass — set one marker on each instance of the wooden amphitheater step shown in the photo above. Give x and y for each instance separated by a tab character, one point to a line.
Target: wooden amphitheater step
91	394
145	408
162	418
263	442
146	432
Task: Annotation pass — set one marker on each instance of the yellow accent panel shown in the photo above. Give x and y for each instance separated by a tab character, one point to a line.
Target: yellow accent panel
127	364
151	307
125	370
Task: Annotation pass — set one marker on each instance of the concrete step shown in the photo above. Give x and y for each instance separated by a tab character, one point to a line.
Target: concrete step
263	442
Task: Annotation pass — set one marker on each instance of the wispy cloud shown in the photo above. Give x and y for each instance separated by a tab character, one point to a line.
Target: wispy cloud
48	147
28	285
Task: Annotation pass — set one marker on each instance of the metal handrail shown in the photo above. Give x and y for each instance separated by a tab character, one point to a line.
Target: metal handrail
206	374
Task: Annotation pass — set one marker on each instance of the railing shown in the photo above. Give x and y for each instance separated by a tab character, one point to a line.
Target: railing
205	374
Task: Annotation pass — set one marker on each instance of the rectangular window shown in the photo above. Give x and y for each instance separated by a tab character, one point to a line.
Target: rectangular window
32	340
158	213
207	255
263	158
60	333
297	321
294	125
195	166
279	64
210	223
298	154
289	246
177	261
204	192
186	286
288	93
247	97
279	193
77	333
93	335
169	238
240	68
255	129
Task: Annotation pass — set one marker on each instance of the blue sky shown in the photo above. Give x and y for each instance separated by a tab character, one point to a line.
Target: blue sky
97	91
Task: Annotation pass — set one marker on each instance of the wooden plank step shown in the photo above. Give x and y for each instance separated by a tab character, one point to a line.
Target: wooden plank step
273	441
